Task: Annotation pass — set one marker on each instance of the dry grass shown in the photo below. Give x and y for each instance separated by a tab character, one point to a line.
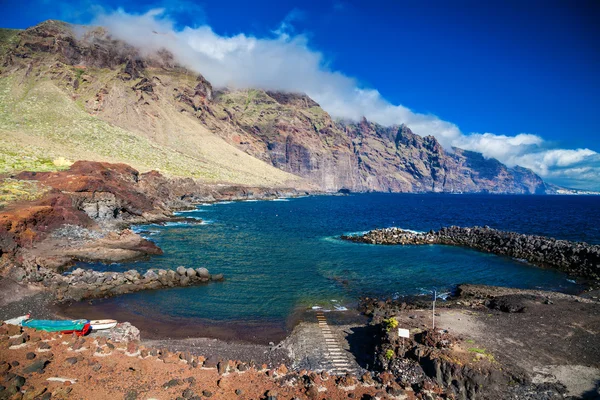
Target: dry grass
42	118
15	190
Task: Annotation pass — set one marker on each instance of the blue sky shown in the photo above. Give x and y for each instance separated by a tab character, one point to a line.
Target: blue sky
515	80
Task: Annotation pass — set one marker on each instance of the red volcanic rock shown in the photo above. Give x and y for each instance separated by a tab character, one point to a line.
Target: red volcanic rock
87	179
101	197
25	223
85	195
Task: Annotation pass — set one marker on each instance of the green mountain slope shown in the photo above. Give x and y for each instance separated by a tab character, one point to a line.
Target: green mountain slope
67	96
50	110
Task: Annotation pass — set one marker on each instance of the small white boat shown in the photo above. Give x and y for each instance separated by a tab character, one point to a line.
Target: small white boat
101	324
18	320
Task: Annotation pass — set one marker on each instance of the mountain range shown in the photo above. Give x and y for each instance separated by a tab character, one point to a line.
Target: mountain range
70	93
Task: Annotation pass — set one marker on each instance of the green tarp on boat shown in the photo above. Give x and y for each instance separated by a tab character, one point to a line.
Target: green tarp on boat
78	325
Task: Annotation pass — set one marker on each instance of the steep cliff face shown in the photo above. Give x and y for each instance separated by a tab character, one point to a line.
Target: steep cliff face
289	131
294	134
149	112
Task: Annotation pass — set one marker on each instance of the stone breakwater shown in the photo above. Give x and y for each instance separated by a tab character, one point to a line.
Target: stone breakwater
84	284
575	258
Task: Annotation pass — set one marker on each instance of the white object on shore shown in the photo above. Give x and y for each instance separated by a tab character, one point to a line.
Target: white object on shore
102	324
18	320
62	380
403	332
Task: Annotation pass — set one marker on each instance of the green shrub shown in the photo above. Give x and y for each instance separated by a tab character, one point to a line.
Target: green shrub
476	350
16	190
484	354
389	354
390	323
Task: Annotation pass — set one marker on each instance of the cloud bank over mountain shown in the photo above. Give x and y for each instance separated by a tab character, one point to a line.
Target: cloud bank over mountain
285	61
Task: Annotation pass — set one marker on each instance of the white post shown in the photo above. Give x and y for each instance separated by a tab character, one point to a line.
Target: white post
433	311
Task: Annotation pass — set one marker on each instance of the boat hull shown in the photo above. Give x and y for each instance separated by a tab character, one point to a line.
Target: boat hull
80	326
103	324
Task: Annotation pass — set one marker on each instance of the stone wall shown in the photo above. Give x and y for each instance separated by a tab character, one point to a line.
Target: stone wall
84	284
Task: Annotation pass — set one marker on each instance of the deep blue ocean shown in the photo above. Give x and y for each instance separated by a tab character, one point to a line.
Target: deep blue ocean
283	256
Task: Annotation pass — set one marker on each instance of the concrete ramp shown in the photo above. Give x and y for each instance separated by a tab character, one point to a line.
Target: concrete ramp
337	357
318	345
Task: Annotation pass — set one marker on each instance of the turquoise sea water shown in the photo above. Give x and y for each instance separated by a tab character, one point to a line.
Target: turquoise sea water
283	256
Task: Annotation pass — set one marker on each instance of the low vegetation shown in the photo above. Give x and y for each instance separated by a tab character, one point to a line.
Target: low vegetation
389	354
481	353
390	323
7	38
15	190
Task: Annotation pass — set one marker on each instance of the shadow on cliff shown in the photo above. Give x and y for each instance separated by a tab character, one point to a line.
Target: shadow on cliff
362	343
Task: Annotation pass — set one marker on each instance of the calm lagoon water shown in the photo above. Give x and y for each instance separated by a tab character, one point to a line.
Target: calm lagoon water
282	256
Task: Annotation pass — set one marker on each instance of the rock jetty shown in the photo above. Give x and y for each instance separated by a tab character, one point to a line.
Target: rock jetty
575	258
84	284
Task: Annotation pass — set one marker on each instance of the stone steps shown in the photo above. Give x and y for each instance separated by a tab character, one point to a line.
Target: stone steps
337	360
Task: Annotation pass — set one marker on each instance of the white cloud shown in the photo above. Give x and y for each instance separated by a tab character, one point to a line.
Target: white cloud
572	168
286	26
281	62
555	158
578	167
286	62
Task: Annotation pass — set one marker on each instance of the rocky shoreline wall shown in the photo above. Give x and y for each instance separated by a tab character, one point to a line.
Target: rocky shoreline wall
575	258
43	365
84	214
103	198
84	284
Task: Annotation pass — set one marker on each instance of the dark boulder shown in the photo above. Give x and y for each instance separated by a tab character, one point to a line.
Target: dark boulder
133	69
509	303
36	366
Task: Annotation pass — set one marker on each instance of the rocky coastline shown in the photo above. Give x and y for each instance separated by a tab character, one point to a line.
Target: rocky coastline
482	346
491	342
577	259
84	214
488	343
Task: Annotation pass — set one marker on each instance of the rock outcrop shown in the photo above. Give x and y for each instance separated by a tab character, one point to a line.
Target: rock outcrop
104	192
575	258
466	358
428	356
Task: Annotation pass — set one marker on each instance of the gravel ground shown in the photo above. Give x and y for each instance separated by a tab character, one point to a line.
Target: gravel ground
552	340
17	300
215	350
